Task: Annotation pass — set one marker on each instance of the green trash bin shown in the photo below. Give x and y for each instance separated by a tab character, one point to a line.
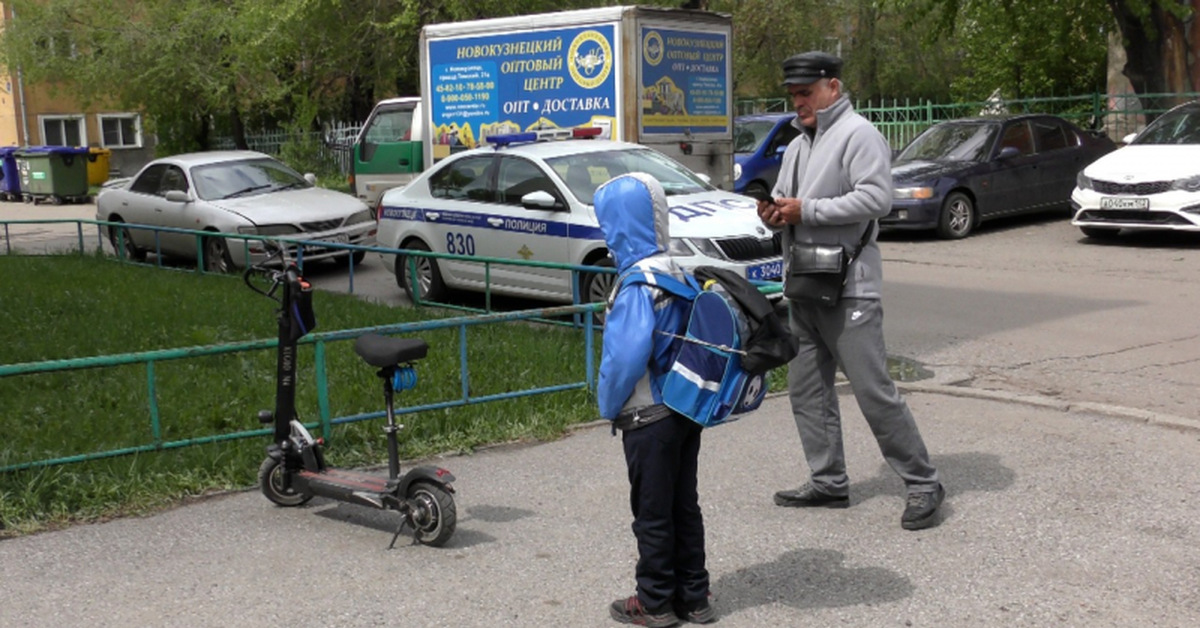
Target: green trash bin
54	173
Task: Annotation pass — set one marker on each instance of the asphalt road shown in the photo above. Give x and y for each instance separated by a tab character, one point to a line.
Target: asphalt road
1052	519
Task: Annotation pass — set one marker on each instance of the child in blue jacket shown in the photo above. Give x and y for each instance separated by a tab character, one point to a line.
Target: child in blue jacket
661	447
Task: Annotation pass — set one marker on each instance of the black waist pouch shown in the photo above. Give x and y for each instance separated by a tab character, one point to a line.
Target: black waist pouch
816	274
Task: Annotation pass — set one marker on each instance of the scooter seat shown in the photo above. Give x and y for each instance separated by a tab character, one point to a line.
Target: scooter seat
384	351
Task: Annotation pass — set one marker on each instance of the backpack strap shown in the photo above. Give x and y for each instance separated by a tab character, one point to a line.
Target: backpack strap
686	290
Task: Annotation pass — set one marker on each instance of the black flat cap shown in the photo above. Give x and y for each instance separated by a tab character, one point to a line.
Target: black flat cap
809	67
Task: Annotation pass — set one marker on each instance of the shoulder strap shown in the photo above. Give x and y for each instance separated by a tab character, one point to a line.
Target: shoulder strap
862	242
664	281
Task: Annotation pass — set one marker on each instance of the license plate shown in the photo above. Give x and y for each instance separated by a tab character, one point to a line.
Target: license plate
1119	202
764	272
340	238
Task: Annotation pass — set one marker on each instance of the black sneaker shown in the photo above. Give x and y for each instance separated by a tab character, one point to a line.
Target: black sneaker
701	613
921	511
808	496
630	611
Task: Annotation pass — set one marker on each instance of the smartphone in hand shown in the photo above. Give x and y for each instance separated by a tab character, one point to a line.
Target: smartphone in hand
759	195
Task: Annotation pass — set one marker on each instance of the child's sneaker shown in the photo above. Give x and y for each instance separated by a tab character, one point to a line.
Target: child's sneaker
701	613
630	611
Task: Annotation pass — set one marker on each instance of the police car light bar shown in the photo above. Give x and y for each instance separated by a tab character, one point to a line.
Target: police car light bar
543	135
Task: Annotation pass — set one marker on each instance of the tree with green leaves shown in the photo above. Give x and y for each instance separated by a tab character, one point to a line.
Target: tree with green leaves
1038	43
1160	45
1023	48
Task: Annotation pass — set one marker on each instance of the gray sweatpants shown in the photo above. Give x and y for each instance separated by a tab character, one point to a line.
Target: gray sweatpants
850	335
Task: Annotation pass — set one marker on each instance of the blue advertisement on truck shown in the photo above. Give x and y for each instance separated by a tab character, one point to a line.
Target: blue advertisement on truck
685	84
511	82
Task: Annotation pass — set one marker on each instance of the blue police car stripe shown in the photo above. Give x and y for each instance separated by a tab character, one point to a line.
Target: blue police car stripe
551	228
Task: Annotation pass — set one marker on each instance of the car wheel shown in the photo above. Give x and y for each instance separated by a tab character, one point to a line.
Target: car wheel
216	256
122	243
957	218
595	287
429	277
357	256
1100	233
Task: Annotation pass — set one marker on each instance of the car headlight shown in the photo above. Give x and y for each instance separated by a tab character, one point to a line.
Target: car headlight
737	172
358	218
706	247
679	248
269	230
1083	182
917	193
1190	184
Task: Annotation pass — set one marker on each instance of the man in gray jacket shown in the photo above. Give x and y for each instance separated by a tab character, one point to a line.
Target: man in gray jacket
834	183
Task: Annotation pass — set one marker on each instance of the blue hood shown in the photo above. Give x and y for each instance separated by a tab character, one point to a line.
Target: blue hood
632	212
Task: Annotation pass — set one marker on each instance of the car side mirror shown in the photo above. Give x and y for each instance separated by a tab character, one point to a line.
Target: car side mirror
780	150
703	177
311	178
1008	152
540	199
178	196
1128	138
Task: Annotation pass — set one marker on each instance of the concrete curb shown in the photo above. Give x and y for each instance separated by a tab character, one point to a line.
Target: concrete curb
1135	415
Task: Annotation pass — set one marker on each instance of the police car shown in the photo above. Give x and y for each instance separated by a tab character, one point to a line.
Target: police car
528	197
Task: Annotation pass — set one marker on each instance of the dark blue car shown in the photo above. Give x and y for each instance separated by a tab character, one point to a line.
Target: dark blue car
758	143
959	173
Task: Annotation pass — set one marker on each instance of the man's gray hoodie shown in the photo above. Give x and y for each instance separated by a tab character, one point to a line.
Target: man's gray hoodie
844	169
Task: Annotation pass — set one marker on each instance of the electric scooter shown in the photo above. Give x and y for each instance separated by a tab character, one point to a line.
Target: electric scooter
295	470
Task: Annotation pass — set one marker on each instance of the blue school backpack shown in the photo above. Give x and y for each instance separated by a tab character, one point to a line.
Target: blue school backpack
706	382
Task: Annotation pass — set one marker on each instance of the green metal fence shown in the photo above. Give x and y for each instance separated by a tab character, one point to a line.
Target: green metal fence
1117	115
250	248
579	313
153	434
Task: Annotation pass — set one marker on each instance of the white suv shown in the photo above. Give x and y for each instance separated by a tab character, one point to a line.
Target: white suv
531	200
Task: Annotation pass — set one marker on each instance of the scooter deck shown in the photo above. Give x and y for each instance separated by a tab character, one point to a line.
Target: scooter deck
345	485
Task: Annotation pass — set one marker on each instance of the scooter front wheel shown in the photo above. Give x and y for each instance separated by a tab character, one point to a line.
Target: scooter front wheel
271	476
432	513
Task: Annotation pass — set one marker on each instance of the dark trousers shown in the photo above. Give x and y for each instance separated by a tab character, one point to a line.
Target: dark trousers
662	460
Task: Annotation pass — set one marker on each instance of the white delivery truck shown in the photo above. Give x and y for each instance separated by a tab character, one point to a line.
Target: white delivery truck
654	76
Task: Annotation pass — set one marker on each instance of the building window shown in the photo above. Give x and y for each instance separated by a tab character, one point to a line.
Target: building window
63	130
120	130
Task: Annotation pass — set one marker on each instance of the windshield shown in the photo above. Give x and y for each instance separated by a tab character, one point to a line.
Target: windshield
390	126
584	172
956	141
1181	126
749	135
232	179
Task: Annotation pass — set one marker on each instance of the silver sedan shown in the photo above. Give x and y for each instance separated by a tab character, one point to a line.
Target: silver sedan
231	192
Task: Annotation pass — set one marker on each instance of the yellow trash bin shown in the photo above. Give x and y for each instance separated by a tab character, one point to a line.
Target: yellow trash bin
97	168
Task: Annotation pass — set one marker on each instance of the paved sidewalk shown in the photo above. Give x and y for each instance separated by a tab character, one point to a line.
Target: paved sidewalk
48	237
1053	518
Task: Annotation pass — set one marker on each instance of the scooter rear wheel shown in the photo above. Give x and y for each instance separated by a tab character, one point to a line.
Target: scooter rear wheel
271	475
432	512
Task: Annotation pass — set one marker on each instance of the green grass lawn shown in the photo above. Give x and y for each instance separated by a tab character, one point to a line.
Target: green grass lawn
63	307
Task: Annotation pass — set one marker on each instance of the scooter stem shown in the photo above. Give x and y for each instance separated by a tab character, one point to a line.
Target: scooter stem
391	429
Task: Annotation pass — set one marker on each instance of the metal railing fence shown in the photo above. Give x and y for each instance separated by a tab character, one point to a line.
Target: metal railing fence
1117	115
325	422
253	247
334	144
